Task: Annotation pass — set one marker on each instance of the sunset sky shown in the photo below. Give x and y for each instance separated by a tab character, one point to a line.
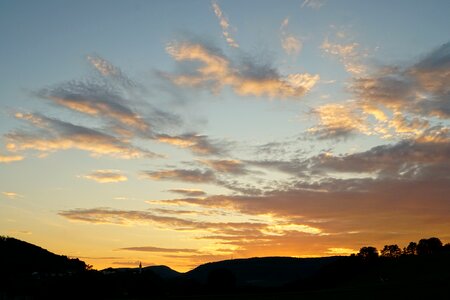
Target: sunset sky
183	132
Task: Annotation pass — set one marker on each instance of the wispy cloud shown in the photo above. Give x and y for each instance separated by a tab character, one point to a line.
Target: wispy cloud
230	166
291	44
224	24
314	4
54	134
246	78
159	249
198	144
97	100
184	175
12	195
106	176
189	192
10	158
348	53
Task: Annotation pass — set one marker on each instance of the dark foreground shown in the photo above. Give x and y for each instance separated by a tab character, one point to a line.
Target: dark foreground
30	272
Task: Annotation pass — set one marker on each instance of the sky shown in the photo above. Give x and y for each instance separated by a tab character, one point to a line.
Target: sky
184	132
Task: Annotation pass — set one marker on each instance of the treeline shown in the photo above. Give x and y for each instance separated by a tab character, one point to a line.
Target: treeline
430	246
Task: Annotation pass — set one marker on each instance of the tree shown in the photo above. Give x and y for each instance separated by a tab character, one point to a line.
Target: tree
391	251
411	249
429	246
368	253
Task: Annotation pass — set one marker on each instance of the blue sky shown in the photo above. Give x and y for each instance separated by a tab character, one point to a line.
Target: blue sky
180	132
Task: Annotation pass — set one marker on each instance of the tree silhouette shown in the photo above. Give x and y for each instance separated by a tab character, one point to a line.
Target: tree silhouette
411	249
391	251
368	253
429	246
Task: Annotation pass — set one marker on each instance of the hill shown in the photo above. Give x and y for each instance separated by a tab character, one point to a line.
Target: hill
17	256
262	271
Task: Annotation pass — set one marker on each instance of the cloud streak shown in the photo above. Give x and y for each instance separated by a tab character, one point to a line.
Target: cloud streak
160	250
184	175
189	192
106	176
10	158
224	24
12	195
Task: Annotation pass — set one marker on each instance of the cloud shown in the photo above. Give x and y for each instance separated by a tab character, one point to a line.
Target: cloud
97	100
420	89
224	24
224	234
10	158
314	4
158	249
215	71
189	192
103	66
53	134
230	166
404	159
348	54
393	102
290	43
106	176
12	195
339	121
198	144
193	175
